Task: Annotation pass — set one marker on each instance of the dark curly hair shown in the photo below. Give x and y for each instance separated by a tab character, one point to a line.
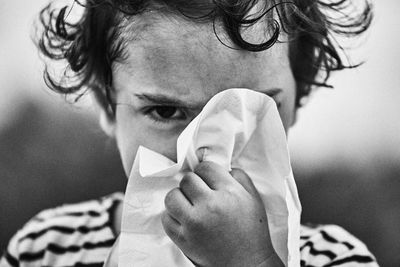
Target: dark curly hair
94	41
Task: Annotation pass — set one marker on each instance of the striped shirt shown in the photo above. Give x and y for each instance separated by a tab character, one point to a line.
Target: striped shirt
81	235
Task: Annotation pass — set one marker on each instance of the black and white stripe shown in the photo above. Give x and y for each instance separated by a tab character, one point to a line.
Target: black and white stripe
81	235
71	235
331	245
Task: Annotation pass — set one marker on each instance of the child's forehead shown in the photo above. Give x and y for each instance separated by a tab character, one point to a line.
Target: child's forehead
178	41
180	55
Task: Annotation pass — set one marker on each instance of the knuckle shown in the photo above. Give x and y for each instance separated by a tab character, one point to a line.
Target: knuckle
194	222
232	190
213	208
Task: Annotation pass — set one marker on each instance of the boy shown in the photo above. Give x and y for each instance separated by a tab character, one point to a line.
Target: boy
152	66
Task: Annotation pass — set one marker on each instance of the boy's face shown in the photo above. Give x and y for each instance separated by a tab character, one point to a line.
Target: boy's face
173	68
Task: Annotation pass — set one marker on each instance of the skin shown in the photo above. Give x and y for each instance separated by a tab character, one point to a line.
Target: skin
169	74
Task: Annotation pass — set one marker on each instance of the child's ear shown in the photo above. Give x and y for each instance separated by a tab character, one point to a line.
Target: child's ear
107	123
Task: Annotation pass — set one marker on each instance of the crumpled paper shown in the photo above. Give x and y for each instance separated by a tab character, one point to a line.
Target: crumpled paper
237	128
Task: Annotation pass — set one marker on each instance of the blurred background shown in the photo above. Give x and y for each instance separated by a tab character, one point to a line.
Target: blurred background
345	146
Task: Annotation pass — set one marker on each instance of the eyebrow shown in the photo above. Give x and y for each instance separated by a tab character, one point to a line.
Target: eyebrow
159	99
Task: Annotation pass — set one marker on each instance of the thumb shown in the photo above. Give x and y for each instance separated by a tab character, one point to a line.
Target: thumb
245	181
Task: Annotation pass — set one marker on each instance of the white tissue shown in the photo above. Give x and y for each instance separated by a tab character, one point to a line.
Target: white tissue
238	128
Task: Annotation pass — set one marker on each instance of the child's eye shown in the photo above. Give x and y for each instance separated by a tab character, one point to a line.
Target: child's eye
166	114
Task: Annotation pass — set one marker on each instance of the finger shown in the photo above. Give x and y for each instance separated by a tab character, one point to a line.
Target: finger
193	187
214	175
245	181
172	228
177	205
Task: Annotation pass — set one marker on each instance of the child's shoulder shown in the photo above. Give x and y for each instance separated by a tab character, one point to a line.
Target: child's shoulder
62	235
331	245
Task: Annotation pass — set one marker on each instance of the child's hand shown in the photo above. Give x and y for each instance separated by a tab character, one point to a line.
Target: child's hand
217	218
